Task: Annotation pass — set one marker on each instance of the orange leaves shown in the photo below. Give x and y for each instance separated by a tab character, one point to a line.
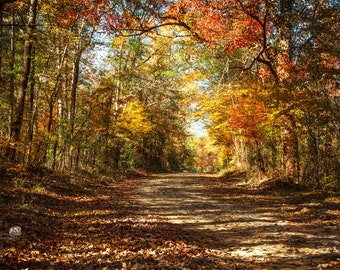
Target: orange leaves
69	12
243	33
69	18
211	26
203	18
247	116
126	20
238	112
263	73
233	23
183	7
329	61
285	66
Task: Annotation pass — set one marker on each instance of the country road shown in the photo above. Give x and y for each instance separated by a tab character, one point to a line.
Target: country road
272	230
168	221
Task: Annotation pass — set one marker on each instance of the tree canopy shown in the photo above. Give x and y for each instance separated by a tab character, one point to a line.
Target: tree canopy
112	86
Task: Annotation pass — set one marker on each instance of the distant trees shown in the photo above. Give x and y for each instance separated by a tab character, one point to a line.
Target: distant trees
61	109
264	73
275	102
146	124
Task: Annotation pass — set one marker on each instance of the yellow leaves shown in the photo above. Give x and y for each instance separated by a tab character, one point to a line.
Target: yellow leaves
207	155
134	122
192	76
238	110
191	80
119	41
16	5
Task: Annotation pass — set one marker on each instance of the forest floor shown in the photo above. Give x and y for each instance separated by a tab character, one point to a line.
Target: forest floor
164	221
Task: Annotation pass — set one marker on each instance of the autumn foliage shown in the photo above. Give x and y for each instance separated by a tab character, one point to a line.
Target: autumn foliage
111	84
97	92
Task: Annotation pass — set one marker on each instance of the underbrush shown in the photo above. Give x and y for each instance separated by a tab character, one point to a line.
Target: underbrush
260	180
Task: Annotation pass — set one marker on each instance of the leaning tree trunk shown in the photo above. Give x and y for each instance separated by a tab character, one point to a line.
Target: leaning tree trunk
25	74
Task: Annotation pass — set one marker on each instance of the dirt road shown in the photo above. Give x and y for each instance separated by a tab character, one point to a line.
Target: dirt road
167	221
260	229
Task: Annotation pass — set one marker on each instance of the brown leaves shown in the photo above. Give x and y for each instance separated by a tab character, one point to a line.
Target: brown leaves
103	227
94	227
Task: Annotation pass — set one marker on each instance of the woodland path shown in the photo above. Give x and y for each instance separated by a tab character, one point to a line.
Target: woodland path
259	229
165	221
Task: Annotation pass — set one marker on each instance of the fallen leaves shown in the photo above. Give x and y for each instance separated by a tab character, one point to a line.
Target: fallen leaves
104	227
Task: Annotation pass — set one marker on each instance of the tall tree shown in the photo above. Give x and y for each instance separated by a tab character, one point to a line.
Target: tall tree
25	74
269	43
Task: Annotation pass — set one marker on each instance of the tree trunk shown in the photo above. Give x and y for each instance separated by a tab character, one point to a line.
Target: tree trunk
75	79
25	74
291	151
80	48
12	75
32	115
285	16
1	34
291	154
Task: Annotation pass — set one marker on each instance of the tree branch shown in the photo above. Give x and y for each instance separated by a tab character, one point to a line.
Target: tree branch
260	58
173	22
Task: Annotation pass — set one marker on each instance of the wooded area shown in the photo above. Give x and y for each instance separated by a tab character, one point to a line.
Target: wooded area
100	165
112	86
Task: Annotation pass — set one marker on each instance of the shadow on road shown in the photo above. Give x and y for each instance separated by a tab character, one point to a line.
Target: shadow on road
288	230
169	221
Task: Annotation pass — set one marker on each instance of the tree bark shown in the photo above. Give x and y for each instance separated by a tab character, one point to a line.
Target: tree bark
12	75
75	79
32	112
25	74
1	34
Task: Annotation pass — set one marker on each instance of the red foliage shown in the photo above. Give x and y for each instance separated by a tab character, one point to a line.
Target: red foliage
243	33
205	19
247	116
71	11
230	22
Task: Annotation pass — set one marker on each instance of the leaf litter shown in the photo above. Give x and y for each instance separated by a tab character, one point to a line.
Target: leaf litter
166	221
